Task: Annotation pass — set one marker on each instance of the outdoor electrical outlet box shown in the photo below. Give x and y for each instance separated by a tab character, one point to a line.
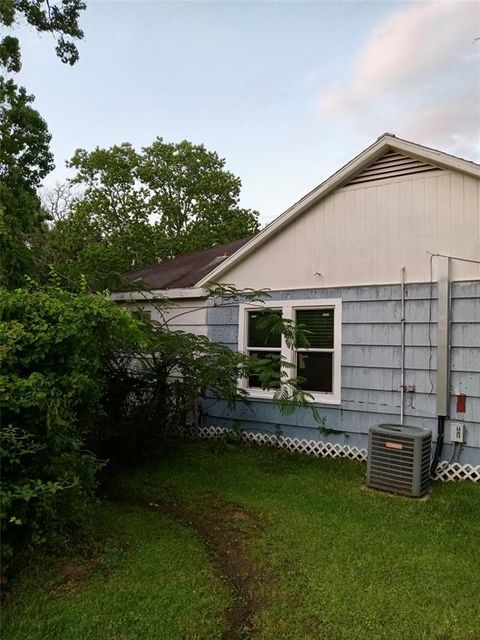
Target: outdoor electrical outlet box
456	434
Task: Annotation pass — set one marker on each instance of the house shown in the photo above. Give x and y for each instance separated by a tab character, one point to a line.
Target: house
174	282
382	263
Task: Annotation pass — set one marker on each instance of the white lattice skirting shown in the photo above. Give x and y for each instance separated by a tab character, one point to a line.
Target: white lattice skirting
457	471
445	471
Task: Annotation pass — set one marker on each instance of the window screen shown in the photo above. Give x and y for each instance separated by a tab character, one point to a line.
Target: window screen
274	359
264	341
315	351
317	324
262	331
317	369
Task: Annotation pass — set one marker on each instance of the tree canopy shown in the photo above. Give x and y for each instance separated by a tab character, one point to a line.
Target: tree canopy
137	208
57	18
25	158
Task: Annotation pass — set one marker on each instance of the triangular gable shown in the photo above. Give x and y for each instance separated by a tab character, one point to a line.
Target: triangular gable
391	165
416	156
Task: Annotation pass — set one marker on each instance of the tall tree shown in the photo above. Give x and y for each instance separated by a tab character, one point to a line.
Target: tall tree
58	200
139	208
195	198
60	19
25	158
108	229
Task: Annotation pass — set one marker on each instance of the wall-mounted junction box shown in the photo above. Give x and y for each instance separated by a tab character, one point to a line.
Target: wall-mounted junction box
456	432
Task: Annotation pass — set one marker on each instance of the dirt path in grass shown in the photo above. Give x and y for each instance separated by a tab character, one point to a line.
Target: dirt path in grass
225	528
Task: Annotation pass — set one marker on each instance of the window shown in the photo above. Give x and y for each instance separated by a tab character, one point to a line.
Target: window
262	341
143	315
316	357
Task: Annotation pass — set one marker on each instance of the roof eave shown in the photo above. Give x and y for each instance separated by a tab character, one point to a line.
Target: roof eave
159	294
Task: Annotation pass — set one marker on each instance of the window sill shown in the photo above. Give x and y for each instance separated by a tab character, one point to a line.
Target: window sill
262	394
325	399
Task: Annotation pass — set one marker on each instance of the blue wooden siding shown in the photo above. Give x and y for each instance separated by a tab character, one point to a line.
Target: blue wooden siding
371	358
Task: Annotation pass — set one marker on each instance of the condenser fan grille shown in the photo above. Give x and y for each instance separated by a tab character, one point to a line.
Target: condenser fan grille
399	459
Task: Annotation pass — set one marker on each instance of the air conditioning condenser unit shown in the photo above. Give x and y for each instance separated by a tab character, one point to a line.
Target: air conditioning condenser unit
399	459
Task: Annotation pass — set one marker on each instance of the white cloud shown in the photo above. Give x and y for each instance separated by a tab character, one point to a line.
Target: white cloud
418	75
452	125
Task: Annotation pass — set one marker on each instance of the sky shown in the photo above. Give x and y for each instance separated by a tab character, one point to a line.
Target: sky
287	92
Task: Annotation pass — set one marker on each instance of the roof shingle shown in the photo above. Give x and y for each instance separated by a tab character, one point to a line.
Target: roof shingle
185	271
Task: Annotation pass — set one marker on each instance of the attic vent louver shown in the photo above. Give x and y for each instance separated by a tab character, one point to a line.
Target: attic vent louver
391	165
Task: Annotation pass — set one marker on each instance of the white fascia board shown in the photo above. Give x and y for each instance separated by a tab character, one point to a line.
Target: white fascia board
439	158
356	165
159	294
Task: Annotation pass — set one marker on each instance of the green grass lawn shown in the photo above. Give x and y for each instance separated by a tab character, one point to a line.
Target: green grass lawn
343	562
151	579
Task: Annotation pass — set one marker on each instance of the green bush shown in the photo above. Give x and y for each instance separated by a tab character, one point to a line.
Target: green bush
54	348
151	391
169	380
83	381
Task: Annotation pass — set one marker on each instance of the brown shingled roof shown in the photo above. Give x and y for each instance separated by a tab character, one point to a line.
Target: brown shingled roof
185	271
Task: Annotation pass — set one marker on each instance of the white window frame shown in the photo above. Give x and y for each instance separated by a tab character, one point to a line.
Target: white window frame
288	308
244	309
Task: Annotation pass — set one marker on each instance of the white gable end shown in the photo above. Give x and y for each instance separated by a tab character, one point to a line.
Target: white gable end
365	232
387	208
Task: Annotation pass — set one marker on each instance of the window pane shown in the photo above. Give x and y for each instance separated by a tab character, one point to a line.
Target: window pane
318	327
317	369
264	330
143	315
269	366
